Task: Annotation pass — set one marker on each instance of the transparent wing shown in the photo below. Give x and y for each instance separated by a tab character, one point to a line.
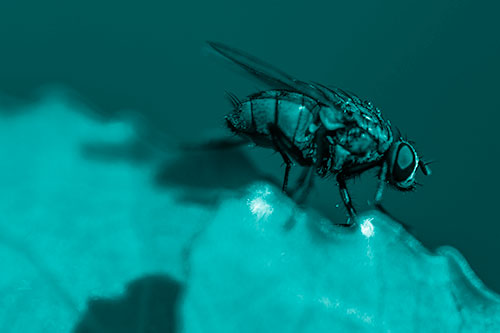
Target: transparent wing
337	94
270	75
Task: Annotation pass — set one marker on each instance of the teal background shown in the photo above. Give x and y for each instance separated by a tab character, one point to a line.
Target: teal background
432	67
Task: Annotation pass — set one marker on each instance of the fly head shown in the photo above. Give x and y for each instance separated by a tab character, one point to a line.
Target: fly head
403	162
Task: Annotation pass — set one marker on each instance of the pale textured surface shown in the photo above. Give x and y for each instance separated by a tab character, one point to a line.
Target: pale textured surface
74	227
80	222
263	265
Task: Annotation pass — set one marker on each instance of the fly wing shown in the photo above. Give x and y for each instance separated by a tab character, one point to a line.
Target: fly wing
270	75
339	95
350	101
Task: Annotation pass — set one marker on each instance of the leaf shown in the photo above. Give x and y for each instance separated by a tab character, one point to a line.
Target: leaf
248	273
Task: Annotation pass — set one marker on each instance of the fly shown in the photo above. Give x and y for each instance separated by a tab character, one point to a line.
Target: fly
328	130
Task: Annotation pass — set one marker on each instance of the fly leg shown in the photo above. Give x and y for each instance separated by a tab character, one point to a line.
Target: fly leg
382	176
278	138
378	198
288	166
287	150
346	198
305	182
307	176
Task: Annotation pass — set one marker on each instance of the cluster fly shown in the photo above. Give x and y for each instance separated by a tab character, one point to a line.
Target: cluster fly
328	130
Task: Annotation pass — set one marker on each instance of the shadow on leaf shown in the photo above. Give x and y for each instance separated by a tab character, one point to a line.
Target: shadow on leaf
201	175
148	305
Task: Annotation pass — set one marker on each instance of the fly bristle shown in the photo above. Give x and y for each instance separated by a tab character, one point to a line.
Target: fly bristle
398	132
235	102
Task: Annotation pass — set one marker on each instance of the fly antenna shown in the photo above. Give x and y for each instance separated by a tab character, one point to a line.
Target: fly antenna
235	102
424	167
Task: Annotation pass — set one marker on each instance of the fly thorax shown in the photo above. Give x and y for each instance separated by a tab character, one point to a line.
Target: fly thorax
331	118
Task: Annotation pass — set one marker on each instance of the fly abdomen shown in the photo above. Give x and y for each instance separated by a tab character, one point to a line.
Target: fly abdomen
292	112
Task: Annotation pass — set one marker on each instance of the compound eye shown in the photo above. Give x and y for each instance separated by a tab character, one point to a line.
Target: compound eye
406	163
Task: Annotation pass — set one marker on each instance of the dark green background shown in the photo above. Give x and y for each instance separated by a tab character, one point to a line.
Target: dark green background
432	67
